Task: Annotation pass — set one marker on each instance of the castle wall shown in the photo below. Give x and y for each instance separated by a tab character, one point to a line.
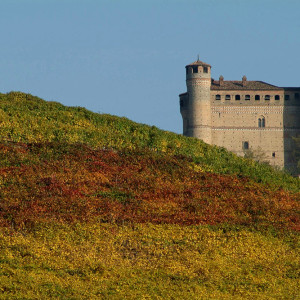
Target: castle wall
291	121
235	122
234	125
184	99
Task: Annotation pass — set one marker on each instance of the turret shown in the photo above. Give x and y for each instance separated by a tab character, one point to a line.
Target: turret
195	104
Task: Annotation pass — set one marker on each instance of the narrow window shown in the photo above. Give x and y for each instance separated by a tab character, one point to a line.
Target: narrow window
267	97
297	96
237	97
227	97
245	145
205	70
257	97
286	97
261	122
195	69
181	103
273	154
277	97
218	97
247	97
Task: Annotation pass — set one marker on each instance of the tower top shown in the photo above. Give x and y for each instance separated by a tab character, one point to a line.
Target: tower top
198	63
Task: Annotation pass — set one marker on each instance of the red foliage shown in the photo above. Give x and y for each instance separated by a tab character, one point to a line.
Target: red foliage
85	185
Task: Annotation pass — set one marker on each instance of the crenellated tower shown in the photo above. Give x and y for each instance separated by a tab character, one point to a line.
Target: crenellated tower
195	105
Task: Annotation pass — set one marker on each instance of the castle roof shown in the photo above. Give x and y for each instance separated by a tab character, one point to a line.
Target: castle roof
238	85
198	63
291	88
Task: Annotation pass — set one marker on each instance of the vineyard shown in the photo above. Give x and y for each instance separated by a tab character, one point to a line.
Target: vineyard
96	206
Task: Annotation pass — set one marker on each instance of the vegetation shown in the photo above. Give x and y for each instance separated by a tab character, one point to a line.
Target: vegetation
145	261
95	206
29	119
70	183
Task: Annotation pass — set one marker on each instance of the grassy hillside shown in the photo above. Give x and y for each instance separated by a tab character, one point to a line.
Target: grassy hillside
25	118
95	206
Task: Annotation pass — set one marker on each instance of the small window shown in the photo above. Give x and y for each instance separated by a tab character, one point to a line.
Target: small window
218	97
277	97
181	103
297	96
257	97
245	145
247	97
267	97
261	122
237	97
286	97
205	70
195	69
273	154
227	97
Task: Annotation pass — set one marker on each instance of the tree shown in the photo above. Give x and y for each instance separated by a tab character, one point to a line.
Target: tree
257	155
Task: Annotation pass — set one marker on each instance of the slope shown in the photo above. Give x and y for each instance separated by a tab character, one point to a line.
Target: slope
29	119
95	206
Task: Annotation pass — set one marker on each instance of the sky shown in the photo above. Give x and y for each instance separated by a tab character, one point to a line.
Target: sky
128	58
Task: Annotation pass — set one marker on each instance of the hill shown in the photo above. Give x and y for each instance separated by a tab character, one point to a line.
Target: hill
96	206
29	119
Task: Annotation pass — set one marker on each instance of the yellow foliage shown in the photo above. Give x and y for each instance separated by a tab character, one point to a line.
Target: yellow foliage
201	168
145	261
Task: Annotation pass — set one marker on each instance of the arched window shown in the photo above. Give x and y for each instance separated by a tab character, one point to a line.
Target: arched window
237	97
195	69
277	97
247	97
257	97
218	97
245	145
267	97
227	97
261	122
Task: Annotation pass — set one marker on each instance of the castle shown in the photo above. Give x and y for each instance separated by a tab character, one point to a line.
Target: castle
244	116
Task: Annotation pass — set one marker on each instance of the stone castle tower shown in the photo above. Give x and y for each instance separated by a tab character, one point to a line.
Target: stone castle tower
197	115
242	116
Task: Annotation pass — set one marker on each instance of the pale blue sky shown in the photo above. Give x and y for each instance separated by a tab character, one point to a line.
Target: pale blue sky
127	58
